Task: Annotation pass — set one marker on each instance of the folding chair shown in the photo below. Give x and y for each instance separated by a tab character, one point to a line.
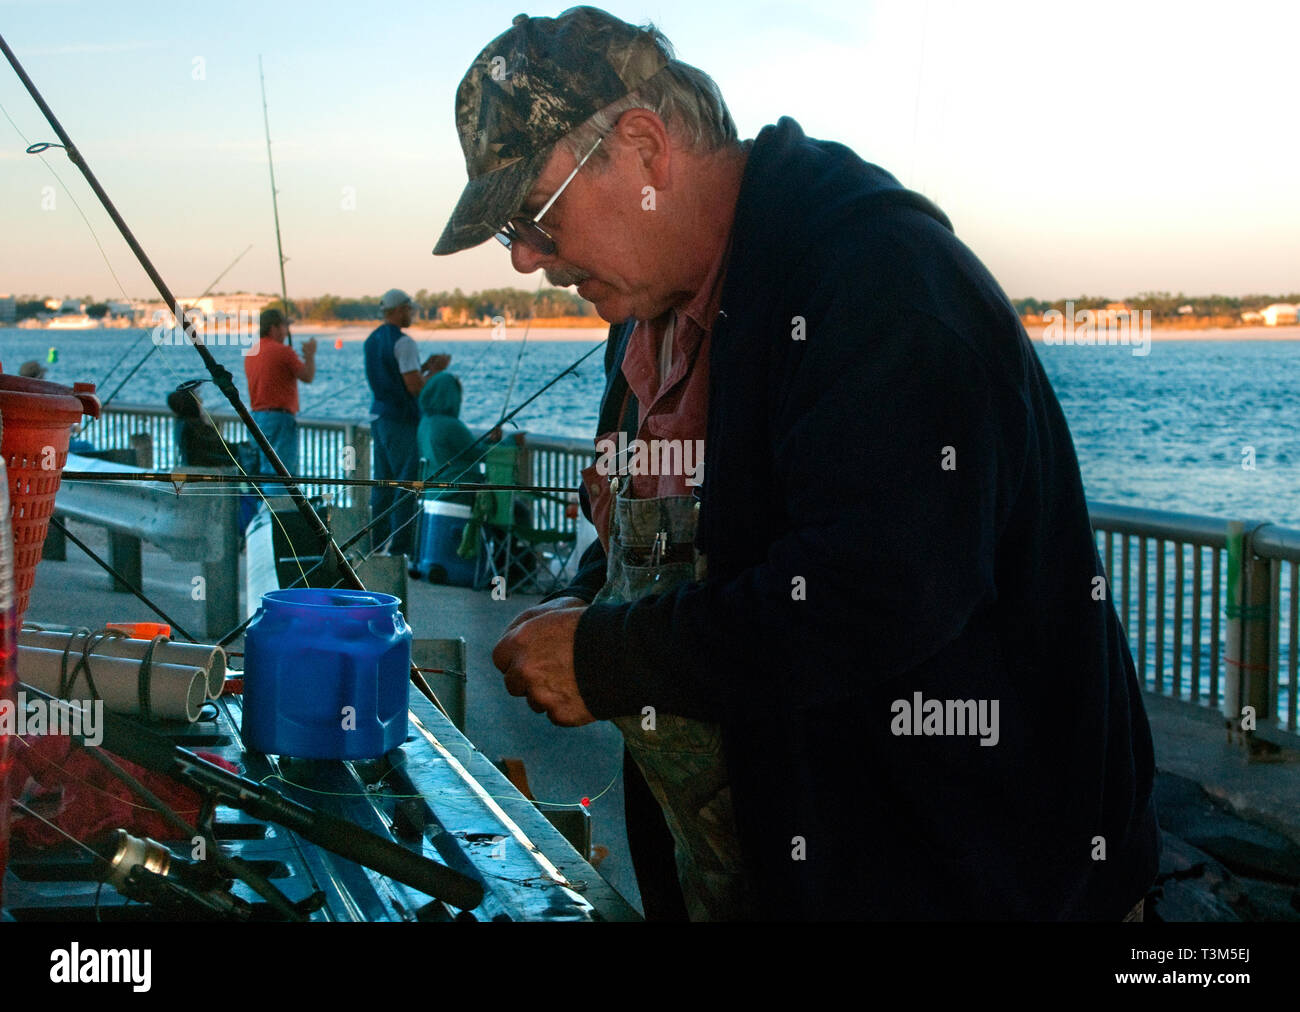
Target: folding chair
513	547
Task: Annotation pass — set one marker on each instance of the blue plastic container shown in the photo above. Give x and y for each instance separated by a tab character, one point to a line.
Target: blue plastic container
326	674
441	528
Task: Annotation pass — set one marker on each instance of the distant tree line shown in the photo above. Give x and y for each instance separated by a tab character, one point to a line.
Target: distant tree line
1163	305
509	303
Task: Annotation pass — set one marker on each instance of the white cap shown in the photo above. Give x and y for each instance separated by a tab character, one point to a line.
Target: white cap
393	298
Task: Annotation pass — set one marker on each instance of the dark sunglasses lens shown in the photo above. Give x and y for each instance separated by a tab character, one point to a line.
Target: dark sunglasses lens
528	232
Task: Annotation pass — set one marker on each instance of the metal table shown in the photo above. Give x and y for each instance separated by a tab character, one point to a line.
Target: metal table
436	794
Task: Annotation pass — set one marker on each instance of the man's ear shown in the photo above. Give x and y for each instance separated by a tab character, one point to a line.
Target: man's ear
645	134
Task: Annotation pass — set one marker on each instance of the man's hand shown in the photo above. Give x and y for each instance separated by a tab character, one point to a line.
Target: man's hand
542	609
435	363
536	656
309	346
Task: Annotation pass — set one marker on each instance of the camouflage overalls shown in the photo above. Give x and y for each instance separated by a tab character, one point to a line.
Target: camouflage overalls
652	550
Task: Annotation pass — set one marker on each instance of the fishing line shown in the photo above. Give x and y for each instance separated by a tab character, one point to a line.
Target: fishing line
495	797
219	373
86	783
423	485
479	359
37	149
520	357
121	579
400	499
236	632
225	444
118	389
18	804
572	368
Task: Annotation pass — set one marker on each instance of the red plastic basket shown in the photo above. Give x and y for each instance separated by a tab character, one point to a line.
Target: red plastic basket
8	677
36	420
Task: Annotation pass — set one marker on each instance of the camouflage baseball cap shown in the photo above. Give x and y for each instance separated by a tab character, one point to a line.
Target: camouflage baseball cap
532	85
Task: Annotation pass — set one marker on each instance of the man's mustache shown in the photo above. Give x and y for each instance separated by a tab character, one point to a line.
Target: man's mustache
562	277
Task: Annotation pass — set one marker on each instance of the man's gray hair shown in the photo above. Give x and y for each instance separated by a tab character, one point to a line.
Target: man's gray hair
684	97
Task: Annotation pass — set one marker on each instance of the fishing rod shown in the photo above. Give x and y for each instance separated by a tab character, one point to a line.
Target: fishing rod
235	633
514	373
220	375
324	400
210	478
275	204
145	747
118	389
567	370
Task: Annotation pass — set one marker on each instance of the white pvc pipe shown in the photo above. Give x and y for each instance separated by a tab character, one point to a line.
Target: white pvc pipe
175	692
198	655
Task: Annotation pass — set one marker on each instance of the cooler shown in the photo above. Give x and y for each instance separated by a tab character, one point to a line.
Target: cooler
441	527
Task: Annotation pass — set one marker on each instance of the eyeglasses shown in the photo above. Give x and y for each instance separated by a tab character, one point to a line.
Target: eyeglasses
524	229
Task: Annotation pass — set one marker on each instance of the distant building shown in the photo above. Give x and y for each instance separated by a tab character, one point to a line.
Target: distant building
8	309
230	305
1252	316
1280	313
1185	310
448	315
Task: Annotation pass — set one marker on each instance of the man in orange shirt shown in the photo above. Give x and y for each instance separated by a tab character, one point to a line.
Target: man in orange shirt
273	372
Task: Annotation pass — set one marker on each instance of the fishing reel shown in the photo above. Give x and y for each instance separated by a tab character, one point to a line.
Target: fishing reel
144	870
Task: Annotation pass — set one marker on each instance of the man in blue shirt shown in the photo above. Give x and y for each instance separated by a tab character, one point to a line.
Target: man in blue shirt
396	376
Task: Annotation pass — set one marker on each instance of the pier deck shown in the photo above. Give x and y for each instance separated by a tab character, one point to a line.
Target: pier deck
1231	824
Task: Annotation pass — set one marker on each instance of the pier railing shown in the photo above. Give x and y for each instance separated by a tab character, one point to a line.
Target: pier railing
339	447
1210	608
1209	605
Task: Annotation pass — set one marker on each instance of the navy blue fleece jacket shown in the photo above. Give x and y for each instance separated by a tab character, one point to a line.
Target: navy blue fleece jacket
891	505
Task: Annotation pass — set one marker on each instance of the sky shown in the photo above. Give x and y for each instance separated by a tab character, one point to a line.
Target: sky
1100	148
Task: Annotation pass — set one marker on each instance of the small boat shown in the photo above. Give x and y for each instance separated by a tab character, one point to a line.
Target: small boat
81	322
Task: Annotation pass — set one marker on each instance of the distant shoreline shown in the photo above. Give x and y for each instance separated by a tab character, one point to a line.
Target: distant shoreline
349	331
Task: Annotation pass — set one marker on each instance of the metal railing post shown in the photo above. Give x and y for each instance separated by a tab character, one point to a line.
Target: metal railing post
221	575
142	444
1246	678
360	442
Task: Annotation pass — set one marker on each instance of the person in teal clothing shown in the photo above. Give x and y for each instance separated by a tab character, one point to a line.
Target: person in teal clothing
443	439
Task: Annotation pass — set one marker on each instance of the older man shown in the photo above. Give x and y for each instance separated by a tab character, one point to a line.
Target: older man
863	667
396	376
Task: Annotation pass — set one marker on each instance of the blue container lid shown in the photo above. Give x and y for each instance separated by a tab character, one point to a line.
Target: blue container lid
328	599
